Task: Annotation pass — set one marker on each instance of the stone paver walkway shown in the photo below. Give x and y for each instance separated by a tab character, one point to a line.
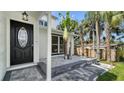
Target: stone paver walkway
25	74
85	73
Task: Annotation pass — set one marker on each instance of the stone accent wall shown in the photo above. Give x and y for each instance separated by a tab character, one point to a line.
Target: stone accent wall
91	53
113	55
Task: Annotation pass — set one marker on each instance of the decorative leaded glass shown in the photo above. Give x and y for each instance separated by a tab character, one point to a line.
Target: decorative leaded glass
22	37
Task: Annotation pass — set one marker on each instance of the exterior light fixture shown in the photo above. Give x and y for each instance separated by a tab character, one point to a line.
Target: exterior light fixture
24	16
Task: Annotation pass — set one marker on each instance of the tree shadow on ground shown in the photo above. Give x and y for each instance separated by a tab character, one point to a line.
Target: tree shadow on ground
107	77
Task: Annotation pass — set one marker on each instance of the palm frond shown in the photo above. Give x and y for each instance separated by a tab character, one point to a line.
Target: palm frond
117	19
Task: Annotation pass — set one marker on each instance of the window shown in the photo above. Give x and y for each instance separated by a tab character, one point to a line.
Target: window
57	44
54	44
54	40
41	22
61	40
61	48
54	49
45	23
61	45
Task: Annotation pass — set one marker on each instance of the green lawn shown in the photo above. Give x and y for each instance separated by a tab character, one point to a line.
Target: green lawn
115	74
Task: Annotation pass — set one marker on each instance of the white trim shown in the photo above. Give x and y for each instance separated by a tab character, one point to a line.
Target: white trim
100	67
48	74
14	67
8	42
57	55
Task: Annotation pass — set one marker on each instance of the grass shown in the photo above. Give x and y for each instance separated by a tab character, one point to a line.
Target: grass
115	74
106	62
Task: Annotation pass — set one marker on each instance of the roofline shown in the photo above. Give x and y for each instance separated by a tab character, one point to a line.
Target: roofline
54	17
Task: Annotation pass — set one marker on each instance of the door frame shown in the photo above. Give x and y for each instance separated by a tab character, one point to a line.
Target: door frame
32	41
8	64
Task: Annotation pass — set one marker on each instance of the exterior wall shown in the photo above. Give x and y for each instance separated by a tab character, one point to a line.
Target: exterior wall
85	52
90	53
104	54
53	21
2	46
113	55
43	44
77	51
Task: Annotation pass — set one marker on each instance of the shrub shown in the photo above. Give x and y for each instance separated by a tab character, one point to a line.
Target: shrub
120	54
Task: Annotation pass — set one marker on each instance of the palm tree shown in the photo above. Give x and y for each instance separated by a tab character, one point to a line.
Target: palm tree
67	25
64	23
85	27
112	20
81	33
94	16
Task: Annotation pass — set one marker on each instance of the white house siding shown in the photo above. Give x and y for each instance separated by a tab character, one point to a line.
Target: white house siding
2	46
43	44
53	21
43	38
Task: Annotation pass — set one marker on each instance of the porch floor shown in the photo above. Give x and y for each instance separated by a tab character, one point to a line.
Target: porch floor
25	74
59	60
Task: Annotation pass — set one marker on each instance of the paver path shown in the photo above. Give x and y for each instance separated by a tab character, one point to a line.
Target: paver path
25	74
85	73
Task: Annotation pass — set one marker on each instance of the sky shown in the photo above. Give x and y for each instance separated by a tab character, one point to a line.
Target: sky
77	15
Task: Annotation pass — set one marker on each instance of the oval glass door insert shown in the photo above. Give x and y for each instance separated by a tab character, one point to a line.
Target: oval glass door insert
22	37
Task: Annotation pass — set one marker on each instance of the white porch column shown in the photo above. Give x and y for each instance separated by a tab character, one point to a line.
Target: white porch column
2	45
36	40
49	48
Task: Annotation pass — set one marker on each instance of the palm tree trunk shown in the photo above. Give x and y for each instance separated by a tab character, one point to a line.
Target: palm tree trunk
93	44
82	44
98	41
65	38
69	47
65	49
108	42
